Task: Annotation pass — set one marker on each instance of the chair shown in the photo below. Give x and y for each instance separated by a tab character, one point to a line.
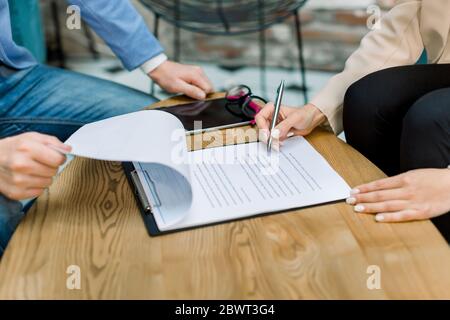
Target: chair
230	17
27	28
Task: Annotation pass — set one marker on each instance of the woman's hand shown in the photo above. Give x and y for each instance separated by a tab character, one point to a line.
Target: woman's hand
28	163
292	121
414	195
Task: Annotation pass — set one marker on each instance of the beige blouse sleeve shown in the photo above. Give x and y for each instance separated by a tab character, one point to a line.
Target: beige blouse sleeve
396	42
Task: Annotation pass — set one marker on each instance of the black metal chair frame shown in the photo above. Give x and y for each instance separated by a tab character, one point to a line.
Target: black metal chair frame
58	51
262	41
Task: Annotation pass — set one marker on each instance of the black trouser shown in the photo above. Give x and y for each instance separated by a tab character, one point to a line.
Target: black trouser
399	118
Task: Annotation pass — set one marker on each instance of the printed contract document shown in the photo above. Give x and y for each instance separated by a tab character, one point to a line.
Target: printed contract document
189	189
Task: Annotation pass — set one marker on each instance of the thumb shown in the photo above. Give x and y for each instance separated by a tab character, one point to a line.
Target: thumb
54	142
191	90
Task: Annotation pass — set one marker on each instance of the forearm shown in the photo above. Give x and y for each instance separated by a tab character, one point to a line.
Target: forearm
122	28
318	117
396	42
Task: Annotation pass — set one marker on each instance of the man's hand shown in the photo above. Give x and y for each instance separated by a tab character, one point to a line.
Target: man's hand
180	78
293	121
414	195
27	164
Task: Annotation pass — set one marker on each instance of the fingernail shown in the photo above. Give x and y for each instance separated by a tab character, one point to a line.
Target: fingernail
355	191
379	217
276	147
350	200
290	134
201	96
263	136
359	208
275	133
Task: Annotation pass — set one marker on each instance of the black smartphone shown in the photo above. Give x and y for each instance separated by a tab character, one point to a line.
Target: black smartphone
213	115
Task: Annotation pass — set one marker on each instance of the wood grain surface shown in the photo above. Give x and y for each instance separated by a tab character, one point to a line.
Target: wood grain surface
89	218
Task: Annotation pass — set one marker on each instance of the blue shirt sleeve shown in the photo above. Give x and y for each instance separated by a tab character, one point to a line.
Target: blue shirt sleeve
122	28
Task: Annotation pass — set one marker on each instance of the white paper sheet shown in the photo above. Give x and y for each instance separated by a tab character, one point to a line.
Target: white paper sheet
211	185
255	183
151	137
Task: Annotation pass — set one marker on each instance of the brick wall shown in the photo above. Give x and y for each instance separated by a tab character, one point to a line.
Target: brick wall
332	30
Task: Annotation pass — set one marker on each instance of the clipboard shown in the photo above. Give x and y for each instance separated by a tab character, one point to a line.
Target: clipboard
191	191
146	207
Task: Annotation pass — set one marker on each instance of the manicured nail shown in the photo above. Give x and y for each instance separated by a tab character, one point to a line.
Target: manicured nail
263	136
359	208
350	200
355	191
379	217
276	147
275	134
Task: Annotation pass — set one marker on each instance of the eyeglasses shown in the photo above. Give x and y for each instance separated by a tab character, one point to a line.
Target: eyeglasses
242	103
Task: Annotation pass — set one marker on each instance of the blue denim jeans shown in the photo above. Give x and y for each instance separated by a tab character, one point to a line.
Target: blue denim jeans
55	102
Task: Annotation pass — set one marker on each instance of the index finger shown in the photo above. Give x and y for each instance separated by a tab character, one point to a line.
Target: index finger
201	81
382	184
264	116
47	155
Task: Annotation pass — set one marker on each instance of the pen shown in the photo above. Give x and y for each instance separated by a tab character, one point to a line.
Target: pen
276	112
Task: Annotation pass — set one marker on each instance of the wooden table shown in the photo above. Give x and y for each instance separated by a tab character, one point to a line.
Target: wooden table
89	218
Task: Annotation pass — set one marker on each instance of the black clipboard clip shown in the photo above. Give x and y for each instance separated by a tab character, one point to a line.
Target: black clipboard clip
139	190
